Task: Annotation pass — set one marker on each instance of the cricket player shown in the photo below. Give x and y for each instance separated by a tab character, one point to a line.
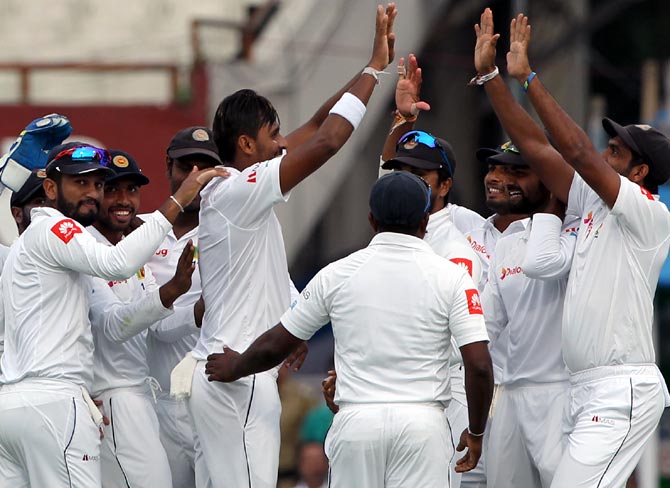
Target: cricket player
190	146
393	308
245	281
121	313
617	394
48	357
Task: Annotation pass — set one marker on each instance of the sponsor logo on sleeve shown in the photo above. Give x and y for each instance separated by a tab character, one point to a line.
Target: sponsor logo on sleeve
66	229
464	263
141	274
647	193
252	177
474	303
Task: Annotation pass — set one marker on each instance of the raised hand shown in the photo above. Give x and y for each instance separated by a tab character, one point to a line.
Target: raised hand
391	12
181	281
485	49
517	57
380	45
407	89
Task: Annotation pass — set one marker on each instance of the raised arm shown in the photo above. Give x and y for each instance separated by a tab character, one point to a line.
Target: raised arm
408	104
526	135
572	142
343	117
307	130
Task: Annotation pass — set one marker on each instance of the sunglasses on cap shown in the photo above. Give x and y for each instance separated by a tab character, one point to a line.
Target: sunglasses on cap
85	154
430	193
508	147
428	140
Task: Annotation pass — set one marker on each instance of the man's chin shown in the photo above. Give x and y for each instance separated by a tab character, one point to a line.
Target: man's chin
86	219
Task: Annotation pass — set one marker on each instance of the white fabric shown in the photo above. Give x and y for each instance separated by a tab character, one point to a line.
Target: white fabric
350	108
464	219
45	293
457	417
618	259
530	309
244	272
165	351
612	412
391	446
525	447
122	363
47	437
176	435
393	307
131	452
230	408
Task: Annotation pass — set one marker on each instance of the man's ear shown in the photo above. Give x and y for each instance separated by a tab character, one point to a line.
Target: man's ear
445	187
373	222
638	173
168	165
18	216
50	189
246	144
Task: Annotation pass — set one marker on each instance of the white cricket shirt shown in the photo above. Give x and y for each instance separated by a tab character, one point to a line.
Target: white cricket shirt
393	306
530	309
464	219
242	258
619	254
119	321
483	241
45	293
166	350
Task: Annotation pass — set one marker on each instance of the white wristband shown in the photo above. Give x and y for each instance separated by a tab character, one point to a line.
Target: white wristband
12	174
351	108
481	79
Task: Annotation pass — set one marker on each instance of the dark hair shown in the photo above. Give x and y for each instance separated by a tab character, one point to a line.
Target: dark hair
242	113
411	230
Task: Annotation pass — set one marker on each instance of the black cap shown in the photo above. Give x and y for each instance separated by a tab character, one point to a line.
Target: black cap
77	158
506	154
124	165
411	151
32	188
649	143
399	198
193	140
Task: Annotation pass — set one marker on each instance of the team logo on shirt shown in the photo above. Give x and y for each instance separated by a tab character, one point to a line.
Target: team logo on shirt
195	255
589	218
510	271
66	229
141	274
120	161
466	264
572	231
306	294
474	303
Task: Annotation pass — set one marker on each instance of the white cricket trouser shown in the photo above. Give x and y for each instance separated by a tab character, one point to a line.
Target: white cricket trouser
132	454
237	430
176	434
612	412
47	436
526	441
389	446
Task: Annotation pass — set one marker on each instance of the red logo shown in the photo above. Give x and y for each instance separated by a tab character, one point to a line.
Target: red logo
647	193
466	264
66	230
474	303
252	177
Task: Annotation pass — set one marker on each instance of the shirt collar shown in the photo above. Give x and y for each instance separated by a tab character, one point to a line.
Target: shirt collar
402	240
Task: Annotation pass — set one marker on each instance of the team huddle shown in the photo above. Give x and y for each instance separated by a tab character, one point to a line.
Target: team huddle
143	350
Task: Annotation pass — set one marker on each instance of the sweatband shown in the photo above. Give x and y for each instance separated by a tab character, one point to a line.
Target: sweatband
351	108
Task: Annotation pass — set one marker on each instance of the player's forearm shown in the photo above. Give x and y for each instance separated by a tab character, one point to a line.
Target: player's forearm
270	349
478	388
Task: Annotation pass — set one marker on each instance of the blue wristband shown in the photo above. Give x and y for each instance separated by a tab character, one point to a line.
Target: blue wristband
528	80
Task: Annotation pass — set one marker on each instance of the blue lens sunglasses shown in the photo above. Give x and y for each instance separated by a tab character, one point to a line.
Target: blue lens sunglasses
427	140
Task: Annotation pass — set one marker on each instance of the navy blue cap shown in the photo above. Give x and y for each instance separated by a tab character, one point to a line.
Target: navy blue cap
124	165
399	199
77	158
507	154
191	141
32	188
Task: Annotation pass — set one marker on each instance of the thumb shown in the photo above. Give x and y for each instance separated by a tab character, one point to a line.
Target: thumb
494	39
461	445
421	106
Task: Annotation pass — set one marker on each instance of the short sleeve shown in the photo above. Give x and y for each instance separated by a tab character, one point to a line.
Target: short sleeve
466	315
577	196
645	219
246	198
310	312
